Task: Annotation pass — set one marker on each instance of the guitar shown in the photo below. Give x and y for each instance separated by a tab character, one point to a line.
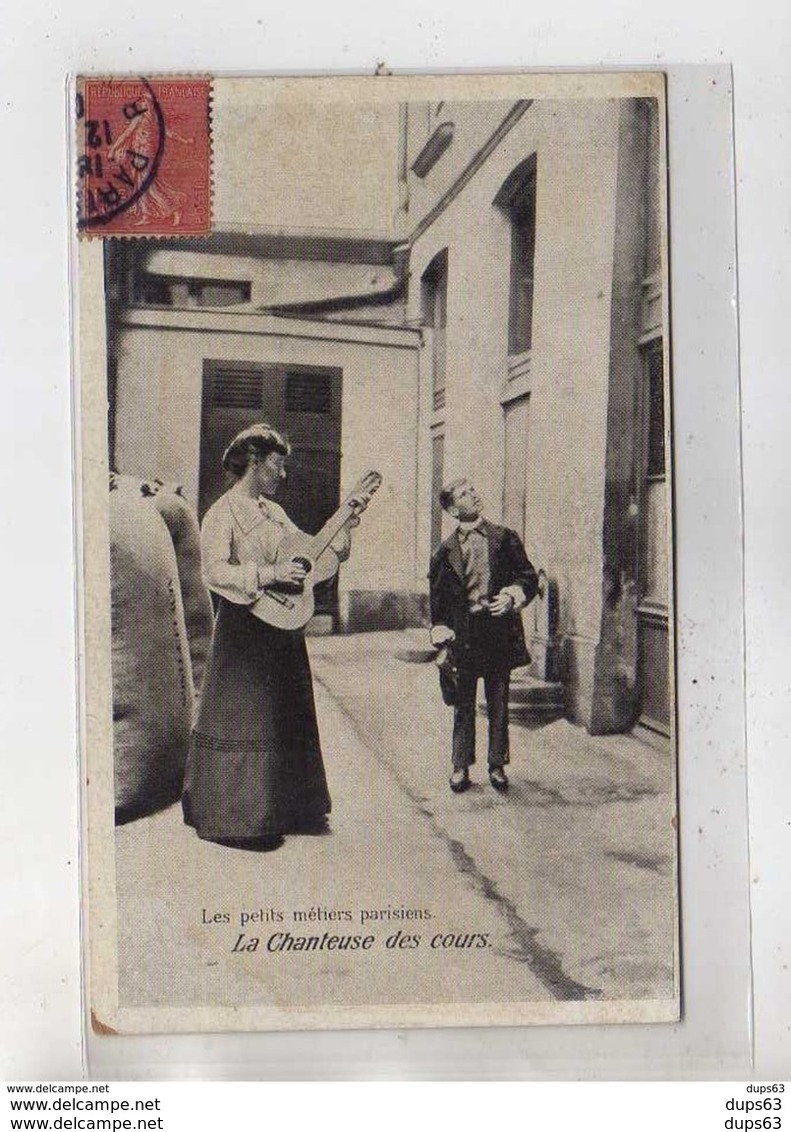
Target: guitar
290	605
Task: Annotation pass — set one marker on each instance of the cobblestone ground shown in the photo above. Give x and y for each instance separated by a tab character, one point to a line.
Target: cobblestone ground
563	890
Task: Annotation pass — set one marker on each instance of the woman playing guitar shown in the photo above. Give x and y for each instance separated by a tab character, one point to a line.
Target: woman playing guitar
255	770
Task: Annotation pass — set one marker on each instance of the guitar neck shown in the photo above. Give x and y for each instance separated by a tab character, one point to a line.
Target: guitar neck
322	539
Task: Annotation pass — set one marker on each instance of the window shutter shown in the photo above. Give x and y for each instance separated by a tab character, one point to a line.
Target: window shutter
237	389
308	393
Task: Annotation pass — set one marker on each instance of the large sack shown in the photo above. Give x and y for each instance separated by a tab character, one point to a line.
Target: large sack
198	612
182	523
152	673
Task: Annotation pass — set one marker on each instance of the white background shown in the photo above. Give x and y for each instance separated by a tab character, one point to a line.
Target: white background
39	45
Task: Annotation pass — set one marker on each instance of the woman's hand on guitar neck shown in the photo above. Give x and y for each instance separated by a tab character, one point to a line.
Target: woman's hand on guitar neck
358	504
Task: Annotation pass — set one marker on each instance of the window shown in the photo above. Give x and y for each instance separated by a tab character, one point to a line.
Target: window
435	315
517	198
433	149
237	387
437	473
219	292
655	396
653	581
173	291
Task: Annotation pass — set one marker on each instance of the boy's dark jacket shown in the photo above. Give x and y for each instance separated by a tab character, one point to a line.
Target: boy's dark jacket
508	566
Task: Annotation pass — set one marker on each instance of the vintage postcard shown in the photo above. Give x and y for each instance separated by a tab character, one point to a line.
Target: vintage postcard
375	527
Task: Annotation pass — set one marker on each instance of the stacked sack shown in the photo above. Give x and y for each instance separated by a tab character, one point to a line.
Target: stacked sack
161	629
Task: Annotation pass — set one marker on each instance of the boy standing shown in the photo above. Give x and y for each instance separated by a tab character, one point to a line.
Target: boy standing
480	578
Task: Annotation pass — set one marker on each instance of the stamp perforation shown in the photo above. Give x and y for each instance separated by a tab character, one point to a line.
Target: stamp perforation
144	157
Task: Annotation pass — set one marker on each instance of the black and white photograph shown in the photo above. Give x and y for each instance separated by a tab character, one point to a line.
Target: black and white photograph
375	412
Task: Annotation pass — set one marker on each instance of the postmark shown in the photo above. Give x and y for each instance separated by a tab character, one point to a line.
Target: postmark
144	157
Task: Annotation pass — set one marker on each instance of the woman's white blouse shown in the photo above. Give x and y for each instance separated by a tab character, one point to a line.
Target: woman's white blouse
239	541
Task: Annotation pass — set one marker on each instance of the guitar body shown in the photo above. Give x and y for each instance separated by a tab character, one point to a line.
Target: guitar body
288	605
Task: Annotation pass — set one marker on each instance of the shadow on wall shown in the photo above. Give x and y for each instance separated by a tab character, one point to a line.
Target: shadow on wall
369	611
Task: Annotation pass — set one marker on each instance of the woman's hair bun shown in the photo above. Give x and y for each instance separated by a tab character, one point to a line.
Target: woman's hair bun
257	440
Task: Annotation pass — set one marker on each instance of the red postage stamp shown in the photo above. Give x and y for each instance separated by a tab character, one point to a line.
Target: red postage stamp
144	157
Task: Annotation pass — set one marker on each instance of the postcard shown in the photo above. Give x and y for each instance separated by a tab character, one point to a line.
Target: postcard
374	474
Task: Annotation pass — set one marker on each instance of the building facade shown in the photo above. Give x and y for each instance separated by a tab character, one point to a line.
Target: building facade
535	267
505	321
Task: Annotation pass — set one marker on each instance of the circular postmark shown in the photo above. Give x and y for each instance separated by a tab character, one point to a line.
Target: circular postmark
121	139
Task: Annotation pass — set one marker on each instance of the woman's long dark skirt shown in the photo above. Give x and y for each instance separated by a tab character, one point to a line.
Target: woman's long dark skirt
254	768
